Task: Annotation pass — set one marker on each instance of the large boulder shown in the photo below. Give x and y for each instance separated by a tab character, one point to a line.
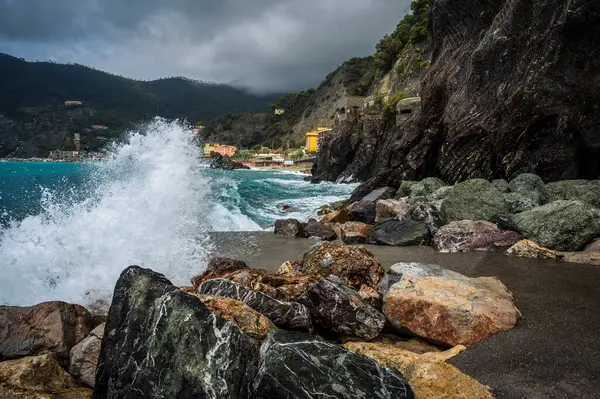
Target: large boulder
469	235
320	230
50	327
395	272
501	185
299	366
364	210
427	373
517	202
161	342
529	186
290	228
426	187
354	264
335	216
405	188
288	315
392	209
561	225
579	190
447	307
428	213
401	233
336	307
247	319
529	249
217	268
84	357
219	161
475	199
38	377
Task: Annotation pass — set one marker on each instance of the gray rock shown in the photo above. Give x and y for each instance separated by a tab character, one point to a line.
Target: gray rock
336	307
426	187
440	194
560	225
518	203
288	315
84	357
299	366
580	190
400	233
428	213
290	228
161	342
364	210
530	186
395	273
475	199
405	187
501	185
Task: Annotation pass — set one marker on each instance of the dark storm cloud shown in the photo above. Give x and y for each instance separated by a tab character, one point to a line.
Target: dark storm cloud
261	44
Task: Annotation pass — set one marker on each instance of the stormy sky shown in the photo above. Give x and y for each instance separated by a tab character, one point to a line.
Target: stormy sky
265	45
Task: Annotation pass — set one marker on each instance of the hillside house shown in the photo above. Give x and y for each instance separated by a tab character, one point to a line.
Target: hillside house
313	137
279	111
228	150
350	105
373	100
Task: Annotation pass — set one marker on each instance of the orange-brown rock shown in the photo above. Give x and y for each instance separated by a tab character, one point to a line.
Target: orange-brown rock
392	208
370	296
248	320
354	264
339	216
84	356
50	327
447	307
428	374
38	377
529	249
217	268
355	232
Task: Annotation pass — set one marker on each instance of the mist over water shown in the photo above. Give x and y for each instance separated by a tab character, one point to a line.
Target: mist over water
68	230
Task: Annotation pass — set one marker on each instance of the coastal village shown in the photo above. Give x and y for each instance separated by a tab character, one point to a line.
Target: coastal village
361	109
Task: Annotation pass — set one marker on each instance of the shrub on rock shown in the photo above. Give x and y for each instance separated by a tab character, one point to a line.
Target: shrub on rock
561	225
475	199
447	307
355	265
332	372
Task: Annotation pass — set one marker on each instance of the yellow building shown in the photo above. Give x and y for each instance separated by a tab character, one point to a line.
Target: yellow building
311	141
209	147
279	111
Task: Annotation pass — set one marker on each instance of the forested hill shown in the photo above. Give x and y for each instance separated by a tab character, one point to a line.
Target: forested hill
25	86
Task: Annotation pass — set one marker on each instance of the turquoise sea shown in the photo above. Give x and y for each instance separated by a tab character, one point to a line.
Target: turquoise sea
67	230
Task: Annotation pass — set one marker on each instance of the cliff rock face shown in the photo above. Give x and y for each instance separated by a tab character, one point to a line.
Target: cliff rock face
513	87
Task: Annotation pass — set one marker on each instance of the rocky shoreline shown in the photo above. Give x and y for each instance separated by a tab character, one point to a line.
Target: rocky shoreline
239	332
524	217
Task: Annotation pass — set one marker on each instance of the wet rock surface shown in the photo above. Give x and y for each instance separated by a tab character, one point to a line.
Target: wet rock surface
468	235
50	327
355	265
578	190
400	232
296	365
84	357
447	307
216	268
289	315
290	228
529	249
561	225
475	199
336	307
320	230
364	211
161	342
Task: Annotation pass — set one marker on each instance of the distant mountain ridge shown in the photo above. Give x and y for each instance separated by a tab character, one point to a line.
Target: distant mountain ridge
32	95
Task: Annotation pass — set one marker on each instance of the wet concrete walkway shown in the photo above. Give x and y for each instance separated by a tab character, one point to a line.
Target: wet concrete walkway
553	352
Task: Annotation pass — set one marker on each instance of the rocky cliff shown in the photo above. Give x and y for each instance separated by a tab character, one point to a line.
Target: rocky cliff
513	87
